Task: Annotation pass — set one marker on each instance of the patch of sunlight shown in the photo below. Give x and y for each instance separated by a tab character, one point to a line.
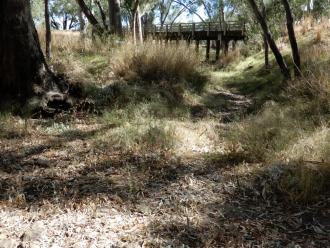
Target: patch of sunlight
199	137
312	146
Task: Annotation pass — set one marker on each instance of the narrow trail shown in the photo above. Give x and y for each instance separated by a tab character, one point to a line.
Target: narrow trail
235	107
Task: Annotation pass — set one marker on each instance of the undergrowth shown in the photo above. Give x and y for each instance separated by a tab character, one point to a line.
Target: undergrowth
143	88
291	130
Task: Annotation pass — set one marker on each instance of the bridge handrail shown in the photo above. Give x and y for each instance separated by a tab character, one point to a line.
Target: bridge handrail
196	26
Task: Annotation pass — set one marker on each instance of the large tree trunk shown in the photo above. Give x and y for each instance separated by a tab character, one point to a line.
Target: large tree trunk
21	58
115	17
278	56
23	69
48	32
292	38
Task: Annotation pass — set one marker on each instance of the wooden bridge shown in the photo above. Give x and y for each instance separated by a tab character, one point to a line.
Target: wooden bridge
222	34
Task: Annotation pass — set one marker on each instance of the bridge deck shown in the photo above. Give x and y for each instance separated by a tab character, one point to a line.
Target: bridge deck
231	30
208	31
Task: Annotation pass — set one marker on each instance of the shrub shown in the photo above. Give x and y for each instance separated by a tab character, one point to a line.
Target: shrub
138	135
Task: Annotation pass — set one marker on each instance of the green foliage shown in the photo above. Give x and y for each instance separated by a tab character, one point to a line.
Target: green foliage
37	8
65	10
136	132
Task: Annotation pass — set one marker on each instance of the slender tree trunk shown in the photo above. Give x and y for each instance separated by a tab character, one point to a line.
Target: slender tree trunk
222	13
115	17
81	21
278	56
309	7
292	38
103	16
21	58
134	27
48	32
266	48
89	15
119	26
139	23
161	17
135	14
72	23
137	27
65	22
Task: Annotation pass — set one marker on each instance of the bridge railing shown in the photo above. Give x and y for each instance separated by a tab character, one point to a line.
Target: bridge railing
196	27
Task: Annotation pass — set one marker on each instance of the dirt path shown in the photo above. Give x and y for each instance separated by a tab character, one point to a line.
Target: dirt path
63	191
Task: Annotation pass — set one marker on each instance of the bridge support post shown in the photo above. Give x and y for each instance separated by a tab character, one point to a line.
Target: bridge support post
208	43
234	45
217	49
197	46
226	44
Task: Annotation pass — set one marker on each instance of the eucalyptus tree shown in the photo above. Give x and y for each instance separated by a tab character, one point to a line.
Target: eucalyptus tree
91	17
64	14
278	56
164	8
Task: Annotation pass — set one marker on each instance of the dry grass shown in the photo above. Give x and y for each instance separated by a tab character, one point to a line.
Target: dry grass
316	75
153	63
75	42
293	134
58	188
146	174
230	58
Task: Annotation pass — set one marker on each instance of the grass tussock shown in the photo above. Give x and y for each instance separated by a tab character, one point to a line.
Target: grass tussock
230	58
77	43
299	182
159	64
138	136
316	80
